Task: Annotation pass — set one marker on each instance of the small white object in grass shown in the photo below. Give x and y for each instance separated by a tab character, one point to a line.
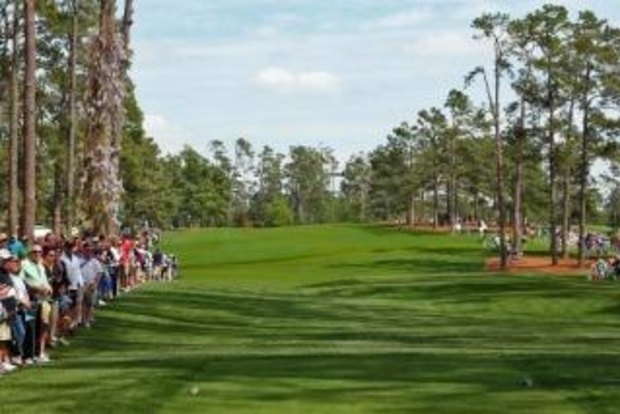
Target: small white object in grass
526	382
194	391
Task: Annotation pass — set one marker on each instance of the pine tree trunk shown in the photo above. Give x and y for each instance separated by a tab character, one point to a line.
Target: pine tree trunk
476	206
102	187
13	147
72	122
517	226
566	188
452	185
552	189
436	203
127	24
565	215
422	205
30	143
410	210
449	201
57	199
362	216
584	173
455	200
500	175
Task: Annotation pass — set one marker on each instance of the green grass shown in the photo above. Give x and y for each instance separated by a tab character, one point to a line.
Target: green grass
338	319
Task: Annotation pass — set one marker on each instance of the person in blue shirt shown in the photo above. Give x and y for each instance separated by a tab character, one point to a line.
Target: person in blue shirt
17	248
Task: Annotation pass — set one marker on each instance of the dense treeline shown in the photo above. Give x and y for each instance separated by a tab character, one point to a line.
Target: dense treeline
530	154
524	154
62	98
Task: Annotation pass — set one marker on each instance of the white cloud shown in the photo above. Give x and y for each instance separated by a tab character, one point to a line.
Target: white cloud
279	23
402	20
284	81
154	123
445	44
168	136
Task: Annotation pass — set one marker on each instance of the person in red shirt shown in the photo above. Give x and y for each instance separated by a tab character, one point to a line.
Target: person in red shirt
126	253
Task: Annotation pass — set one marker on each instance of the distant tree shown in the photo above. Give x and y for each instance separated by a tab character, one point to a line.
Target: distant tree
278	213
596	54
494	28
307	180
356	186
462	121
404	140
242	182
431	127
268	176
548	27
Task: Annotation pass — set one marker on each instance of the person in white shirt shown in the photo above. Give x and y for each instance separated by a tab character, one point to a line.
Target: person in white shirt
23	323
92	271
36	280
482	228
115	261
71	266
8	305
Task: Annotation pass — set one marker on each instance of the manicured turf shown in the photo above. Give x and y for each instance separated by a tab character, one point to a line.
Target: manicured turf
338	319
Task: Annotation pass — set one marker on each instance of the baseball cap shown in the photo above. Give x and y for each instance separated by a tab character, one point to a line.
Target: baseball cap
6	255
3	237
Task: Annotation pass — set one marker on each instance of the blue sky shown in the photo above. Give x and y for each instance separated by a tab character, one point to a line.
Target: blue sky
339	73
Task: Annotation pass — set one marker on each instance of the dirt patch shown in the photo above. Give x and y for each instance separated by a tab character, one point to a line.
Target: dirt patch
540	264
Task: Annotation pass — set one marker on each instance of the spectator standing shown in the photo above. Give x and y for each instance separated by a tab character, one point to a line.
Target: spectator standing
91	273
8	311
23	325
40	293
57	277
71	267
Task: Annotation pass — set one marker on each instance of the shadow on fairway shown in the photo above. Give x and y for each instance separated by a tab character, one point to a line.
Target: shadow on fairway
414	266
462	288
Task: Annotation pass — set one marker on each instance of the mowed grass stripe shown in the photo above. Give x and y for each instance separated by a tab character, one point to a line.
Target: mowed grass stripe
352	319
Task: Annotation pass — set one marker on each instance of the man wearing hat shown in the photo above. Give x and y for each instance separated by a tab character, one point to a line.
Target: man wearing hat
4	241
40	293
71	266
22	325
8	309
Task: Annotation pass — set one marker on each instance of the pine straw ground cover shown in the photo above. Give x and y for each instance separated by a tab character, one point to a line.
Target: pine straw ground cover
343	319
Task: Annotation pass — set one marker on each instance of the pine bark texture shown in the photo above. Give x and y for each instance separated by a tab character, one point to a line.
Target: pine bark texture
70	202
102	186
13	147
30	142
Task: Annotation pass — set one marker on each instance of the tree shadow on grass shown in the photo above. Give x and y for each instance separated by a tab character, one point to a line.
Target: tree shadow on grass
417	265
400	380
461	288
395	230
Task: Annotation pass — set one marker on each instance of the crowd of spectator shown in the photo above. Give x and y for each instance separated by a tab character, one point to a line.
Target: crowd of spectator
50	287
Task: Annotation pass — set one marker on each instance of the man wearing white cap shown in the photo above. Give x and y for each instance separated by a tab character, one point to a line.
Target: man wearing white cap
22	325
40	293
8	308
